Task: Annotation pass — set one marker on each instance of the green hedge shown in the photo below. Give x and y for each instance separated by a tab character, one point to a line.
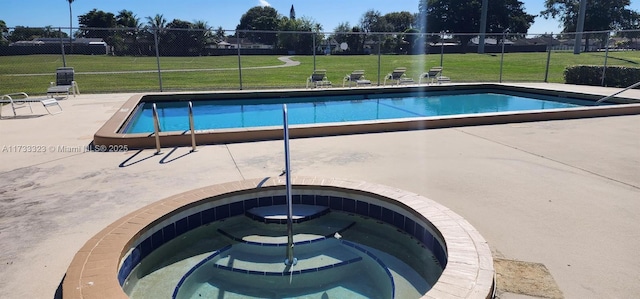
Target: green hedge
615	76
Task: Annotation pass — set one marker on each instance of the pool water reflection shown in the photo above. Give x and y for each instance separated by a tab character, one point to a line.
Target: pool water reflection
223	114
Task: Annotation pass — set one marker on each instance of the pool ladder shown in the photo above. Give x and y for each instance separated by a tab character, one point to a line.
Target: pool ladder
156	128
619	92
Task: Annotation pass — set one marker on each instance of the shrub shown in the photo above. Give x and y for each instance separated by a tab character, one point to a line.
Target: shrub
615	76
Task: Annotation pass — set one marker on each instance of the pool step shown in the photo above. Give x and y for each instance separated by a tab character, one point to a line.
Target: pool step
321	265
278	213
270	234
326	254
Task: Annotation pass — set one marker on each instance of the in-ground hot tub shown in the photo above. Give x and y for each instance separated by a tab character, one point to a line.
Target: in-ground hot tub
115	258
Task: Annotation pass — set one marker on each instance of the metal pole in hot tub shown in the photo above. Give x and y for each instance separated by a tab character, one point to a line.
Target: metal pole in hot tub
289	260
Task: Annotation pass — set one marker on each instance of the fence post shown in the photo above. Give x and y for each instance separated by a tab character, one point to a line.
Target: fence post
155	37
379	56
504	33
239	61
546	72
314	51
606	57
441	47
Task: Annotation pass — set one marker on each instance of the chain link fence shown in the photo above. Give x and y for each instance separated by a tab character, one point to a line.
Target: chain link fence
171	59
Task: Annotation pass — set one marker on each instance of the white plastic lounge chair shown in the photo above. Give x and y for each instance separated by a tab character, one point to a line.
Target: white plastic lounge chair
356	76
431	75
434	74
65	83
318	79
16	100
398	77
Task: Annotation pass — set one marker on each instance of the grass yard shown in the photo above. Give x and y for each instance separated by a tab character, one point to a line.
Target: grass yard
102	74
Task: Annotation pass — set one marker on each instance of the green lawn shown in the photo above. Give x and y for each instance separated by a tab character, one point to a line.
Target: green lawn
32	73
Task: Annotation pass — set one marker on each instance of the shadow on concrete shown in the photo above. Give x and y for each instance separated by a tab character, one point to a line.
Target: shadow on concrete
128	162
58	294
3	117
166	159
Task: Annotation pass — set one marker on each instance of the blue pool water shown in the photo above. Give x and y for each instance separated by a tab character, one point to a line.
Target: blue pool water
224	114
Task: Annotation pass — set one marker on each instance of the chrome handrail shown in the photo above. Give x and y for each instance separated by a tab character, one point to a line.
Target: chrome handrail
619	92
156	128
289	259
192	128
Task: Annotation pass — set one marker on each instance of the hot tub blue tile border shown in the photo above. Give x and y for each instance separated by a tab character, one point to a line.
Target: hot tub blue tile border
265	201
322	200
181	226
208	216
335	203
169	232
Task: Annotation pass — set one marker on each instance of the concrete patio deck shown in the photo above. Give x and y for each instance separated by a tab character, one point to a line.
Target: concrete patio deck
565	194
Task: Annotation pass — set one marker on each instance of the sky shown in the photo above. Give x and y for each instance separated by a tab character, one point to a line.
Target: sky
329	13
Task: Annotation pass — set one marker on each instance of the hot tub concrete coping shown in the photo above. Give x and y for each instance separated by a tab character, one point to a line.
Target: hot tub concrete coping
469	273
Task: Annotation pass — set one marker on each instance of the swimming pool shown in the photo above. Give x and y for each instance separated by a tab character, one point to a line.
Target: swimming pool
246	113
113	135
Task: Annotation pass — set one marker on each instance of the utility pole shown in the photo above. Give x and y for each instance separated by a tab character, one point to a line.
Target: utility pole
580	27
483	26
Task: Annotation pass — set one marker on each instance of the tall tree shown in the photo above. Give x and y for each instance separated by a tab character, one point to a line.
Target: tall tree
412	42
126	40
400	21
3	31
345	33
127	19
157	22
339	32
21	33
202	35
374	21
300	43
178	41
600	15
463	16
219	35
93	24
633	24
264	18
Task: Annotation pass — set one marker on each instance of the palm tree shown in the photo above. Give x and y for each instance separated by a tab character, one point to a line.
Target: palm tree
126	19
158	22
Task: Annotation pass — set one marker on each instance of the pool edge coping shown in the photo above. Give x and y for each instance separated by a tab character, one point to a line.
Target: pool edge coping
469	273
